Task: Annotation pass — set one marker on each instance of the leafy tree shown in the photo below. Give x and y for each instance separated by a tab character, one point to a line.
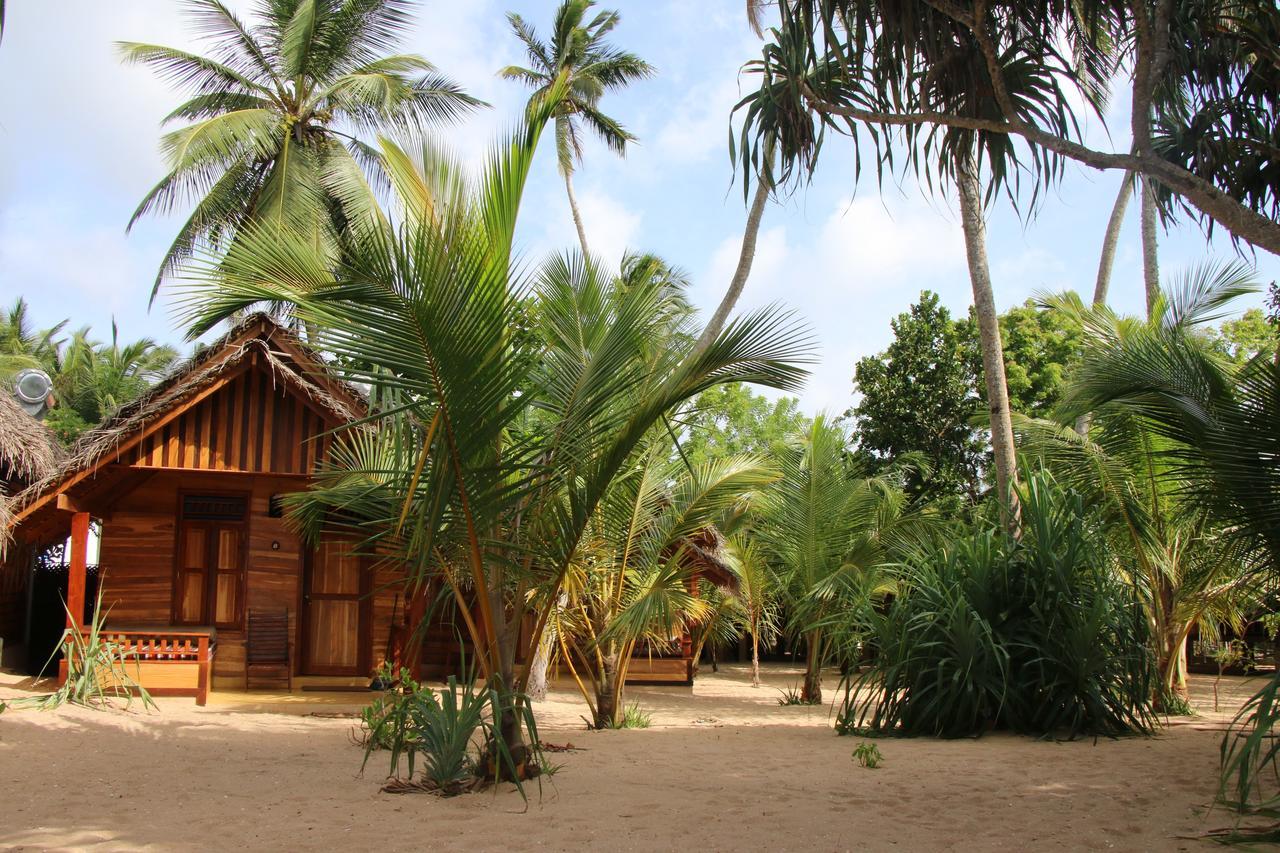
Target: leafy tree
579	58
1244	337
731	420
277	113
1040	347
919	397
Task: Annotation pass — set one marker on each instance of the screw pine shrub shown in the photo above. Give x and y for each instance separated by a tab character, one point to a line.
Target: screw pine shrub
1037	634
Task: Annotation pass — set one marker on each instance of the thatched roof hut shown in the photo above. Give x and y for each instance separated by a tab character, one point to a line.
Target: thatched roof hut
28	450
28	453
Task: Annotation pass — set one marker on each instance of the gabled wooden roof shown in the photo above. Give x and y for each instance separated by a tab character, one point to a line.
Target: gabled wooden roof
256	342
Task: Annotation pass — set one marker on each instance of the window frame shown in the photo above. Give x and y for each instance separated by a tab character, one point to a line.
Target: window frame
209	601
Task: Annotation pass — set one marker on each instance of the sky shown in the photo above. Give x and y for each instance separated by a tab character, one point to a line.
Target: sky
79	137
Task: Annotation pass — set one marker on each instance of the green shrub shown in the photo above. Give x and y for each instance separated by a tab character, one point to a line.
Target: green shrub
1037	634
635	717
867	755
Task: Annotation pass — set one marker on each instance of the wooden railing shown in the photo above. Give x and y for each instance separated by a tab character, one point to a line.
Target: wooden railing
165	663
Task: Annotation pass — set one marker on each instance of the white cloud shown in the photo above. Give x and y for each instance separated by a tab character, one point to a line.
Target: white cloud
611	226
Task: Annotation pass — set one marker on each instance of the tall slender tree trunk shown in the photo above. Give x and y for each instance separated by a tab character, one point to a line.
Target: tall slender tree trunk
746	256
1107	262
1150	246
984	302
1109	240
577	214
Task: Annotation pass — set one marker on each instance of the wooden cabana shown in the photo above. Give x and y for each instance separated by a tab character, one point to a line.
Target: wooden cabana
183	487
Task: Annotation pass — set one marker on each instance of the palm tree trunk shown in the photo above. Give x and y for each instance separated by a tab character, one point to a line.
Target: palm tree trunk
1107	262
1109	240
746	256
608	694
975	241
811	692
1150	246
537	688
755	659
577	214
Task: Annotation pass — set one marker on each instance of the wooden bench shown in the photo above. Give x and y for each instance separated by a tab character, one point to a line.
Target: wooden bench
164	663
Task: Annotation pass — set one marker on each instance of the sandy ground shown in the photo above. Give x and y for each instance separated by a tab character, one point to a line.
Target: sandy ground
723	767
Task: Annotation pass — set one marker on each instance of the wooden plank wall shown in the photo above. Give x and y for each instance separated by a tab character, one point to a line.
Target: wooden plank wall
251	424
138	542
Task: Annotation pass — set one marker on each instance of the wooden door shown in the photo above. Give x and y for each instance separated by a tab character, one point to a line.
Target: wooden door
335	612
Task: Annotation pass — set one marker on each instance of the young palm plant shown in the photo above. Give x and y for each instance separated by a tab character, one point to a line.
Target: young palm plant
1222	425
829	531
1187	571
276	114
758	598
579	58
637	579
501	446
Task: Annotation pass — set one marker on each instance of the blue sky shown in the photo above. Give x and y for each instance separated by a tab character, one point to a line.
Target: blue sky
78	149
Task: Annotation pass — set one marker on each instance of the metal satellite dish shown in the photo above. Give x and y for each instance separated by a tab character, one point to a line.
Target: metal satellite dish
32	388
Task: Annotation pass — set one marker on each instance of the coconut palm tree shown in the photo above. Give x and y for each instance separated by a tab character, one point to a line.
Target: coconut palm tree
634	585
758	598
277	115
503	446
21	345
589	66
96	379
1187	571
828	531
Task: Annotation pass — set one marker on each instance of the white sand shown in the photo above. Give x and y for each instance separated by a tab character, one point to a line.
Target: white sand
722	768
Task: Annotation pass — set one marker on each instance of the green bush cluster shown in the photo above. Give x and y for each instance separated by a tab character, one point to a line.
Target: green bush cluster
1037	634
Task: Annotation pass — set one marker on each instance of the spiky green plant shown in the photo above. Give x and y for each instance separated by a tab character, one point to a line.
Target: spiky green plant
1039	635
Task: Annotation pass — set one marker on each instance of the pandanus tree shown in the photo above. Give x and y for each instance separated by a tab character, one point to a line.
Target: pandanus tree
499	447
634	584
843	66
279	114
580	59
1205	85
828	531
1187	570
